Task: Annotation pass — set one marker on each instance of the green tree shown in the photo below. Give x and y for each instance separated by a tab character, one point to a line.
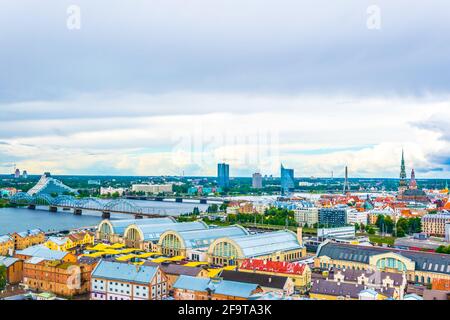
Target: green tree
385	224
115	195
380	221
443	249
2	277
213	208
408	226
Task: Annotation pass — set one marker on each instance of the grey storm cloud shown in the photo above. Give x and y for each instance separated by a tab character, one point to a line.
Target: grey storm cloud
282	46
138	75
427	170
438	123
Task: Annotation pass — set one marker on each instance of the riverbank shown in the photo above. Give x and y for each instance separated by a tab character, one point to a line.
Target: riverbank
4	203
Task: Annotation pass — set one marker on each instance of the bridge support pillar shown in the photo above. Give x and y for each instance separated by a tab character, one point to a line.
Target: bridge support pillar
32	207
159	199
203	201
139	216
53	209
178	199
106	215
77	212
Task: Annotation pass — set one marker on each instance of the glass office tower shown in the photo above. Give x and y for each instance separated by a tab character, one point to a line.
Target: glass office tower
223	175
287	181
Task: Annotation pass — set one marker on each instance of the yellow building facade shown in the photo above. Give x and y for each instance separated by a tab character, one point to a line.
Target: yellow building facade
23	240
419	267
6	245
70	242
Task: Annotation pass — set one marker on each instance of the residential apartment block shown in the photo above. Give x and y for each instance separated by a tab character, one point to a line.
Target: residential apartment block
61	278
193	288
434	224
419	267
152	188
70	242
306	216
6	245
14	269
27	238
123	281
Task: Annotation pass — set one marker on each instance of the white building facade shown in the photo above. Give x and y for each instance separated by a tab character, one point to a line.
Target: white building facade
152	188
356	217
123	281
111	190
306	216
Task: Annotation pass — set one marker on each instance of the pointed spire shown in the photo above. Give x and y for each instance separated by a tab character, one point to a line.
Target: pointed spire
403	184
413	182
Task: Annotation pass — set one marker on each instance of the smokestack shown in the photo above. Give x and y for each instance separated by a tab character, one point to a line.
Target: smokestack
346	184
300	235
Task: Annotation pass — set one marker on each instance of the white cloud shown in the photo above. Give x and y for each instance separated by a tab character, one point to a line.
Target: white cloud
159	87
153	135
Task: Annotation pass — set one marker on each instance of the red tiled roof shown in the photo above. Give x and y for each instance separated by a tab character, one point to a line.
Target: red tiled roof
273	266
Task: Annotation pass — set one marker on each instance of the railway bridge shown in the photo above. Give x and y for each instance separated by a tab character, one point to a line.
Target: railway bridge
70	203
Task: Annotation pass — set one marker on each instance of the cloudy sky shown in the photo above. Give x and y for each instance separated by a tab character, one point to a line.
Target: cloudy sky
171	86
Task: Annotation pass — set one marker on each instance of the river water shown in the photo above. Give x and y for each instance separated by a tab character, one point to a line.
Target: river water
21	219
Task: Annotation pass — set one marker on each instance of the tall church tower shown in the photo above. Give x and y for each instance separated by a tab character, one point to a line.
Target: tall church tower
413	182
403	185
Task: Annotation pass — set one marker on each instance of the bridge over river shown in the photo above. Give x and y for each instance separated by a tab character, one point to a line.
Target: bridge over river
201	200
106	207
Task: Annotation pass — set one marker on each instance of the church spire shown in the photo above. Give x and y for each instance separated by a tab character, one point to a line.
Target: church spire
403	185
413	182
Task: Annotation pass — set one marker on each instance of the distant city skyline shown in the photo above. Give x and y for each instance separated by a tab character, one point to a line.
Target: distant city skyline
167	95
223	174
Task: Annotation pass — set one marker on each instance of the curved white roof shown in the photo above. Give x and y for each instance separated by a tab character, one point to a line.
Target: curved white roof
153	232
267	243
120	225
203	238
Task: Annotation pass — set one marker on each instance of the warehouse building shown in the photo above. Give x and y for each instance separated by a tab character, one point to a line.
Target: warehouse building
194	244
146	236
419	267
281	245
113	230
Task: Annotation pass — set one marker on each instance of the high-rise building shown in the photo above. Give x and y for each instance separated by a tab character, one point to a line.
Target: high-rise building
403	185
17	174
257	181
25	174
223	175
287	181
